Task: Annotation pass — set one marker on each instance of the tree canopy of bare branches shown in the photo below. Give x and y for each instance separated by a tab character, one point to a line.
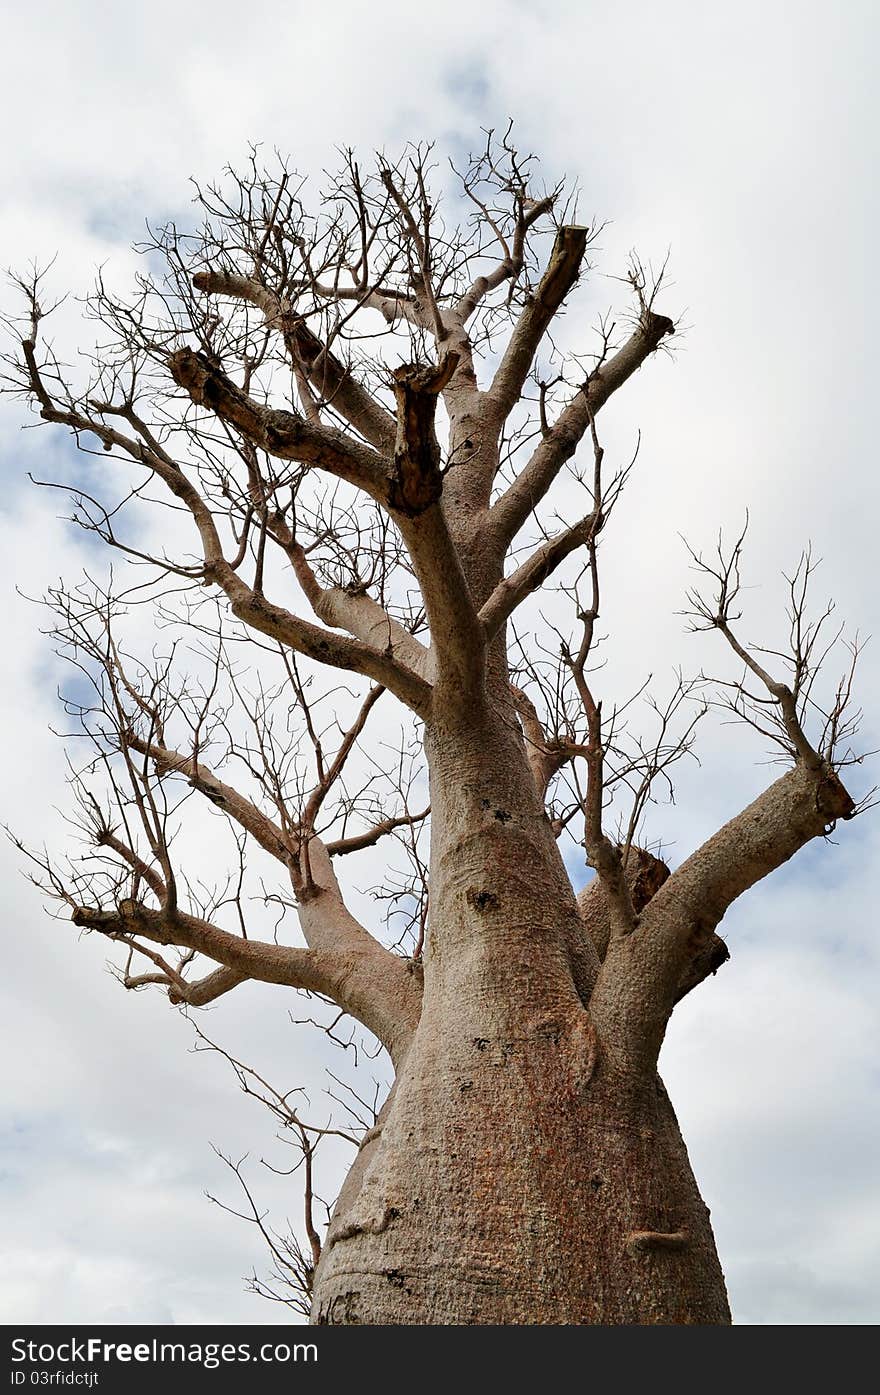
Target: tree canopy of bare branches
347	460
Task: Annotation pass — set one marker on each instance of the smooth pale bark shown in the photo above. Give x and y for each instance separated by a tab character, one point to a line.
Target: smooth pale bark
513	1183
517	1176
528	1167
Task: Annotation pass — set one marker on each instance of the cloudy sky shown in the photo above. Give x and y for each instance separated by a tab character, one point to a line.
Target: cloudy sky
743	139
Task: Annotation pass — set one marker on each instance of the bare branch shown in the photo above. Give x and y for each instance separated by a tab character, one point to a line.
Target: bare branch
282	433
333	381
532	573
561	275
677	926
559	444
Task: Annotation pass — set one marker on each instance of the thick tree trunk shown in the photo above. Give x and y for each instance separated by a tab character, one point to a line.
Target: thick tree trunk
520	1173
501	1190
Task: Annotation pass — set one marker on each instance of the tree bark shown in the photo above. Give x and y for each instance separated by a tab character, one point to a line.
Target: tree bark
508	1185
517	1175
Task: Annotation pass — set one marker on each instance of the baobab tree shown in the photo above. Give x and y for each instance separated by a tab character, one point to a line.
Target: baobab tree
363	429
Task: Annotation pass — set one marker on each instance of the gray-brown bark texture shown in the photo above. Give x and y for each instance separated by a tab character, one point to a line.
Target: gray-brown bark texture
522	1174
527	1166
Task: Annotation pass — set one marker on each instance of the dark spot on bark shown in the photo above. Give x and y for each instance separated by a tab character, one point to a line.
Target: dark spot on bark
341	1310
485	803
655	326
481	1043
503	816
650	875
833	800
596	1182
550	1031
395	1278
417	482
393	1213
481	900
414	490
466	1085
